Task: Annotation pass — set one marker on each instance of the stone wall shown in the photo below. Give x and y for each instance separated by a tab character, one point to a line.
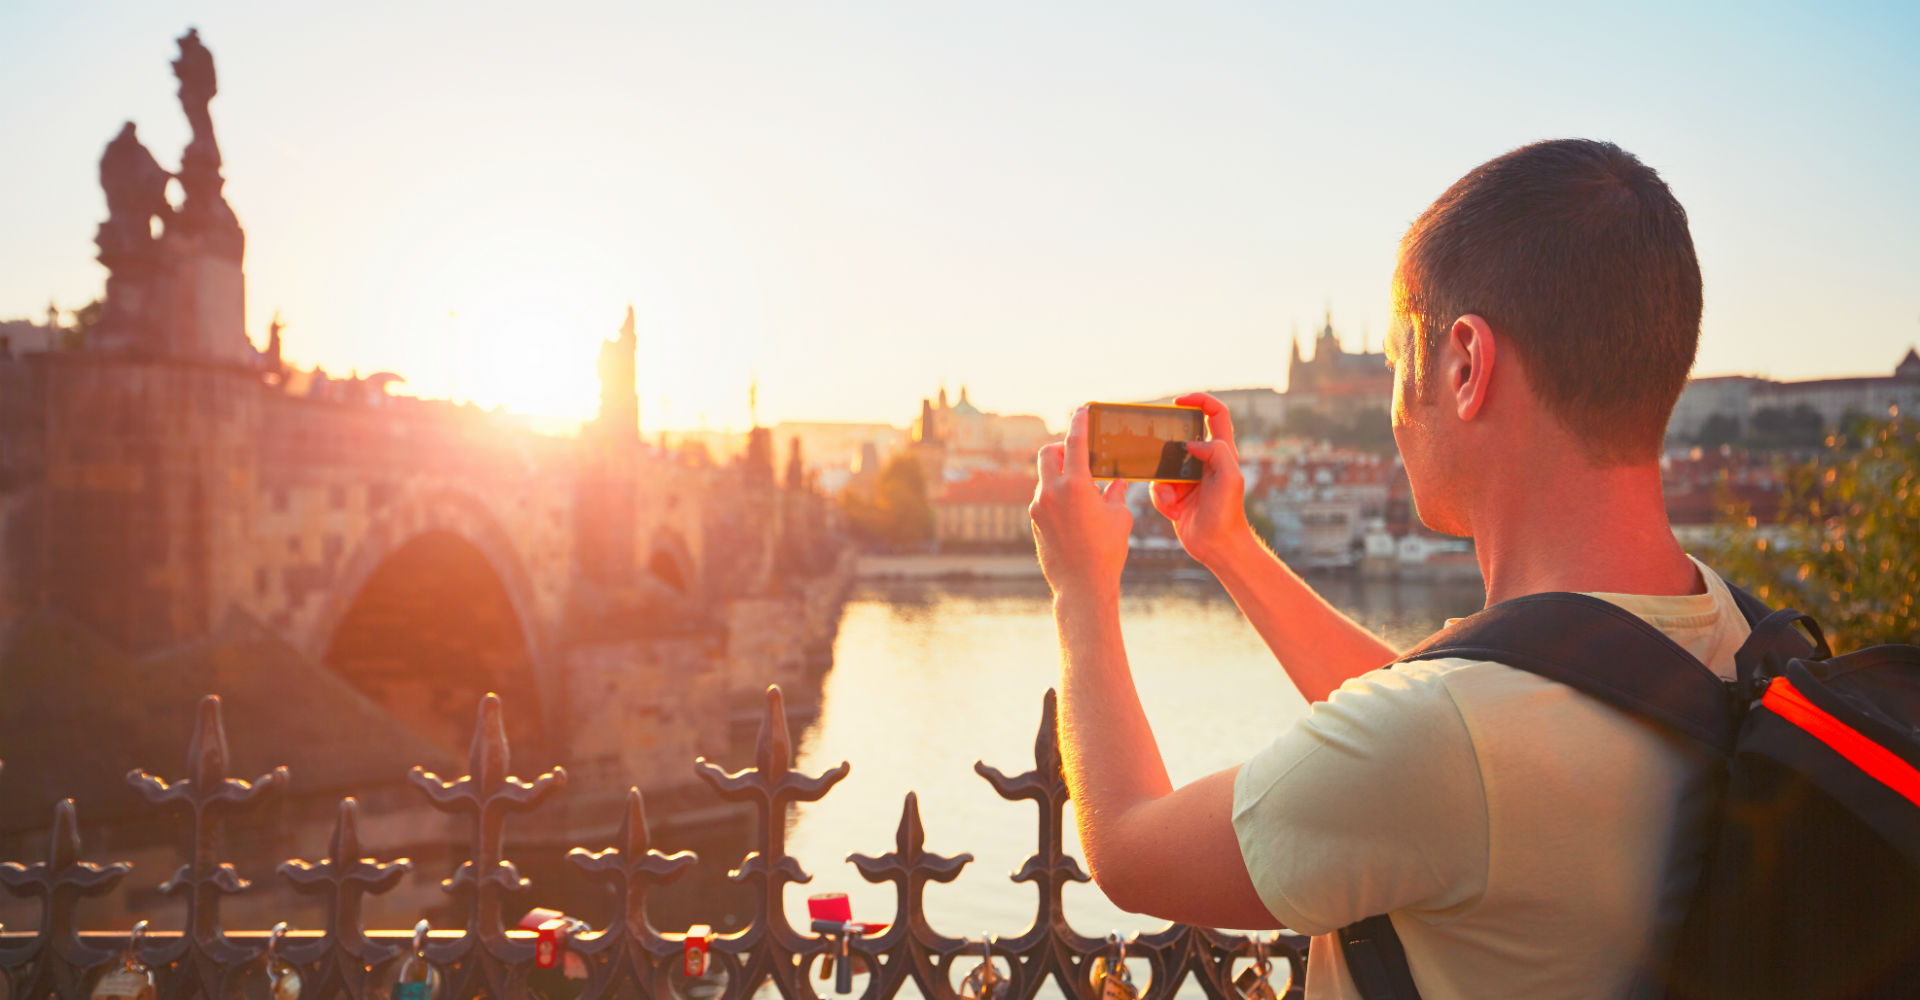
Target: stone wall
152	506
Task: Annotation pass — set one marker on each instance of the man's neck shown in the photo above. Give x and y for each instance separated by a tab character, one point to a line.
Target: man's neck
1578	528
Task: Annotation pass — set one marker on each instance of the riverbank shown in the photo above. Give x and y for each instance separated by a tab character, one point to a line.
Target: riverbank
967	566
949	566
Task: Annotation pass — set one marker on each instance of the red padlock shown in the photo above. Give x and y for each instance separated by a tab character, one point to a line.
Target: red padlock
830	906
693	959
550	942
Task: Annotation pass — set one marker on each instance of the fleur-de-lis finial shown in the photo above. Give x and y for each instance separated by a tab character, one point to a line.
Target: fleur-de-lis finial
60	881
1050	867
771	786
911	940
630	868
206	792
488	793
342	878
911	867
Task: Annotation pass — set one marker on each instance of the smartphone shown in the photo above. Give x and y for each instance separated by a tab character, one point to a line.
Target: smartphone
1140	441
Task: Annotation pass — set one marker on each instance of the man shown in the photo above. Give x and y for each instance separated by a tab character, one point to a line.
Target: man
1525	839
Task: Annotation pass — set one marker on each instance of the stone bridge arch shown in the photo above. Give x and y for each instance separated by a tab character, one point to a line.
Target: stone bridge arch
441	550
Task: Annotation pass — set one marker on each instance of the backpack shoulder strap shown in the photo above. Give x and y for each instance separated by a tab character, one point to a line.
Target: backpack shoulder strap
1600	649
1376	960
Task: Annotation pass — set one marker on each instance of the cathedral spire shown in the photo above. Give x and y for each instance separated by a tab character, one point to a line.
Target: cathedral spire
619	392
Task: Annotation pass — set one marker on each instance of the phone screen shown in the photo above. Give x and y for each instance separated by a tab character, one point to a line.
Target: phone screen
1137	441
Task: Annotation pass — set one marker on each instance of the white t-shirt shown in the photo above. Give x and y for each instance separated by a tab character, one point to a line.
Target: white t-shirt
1519	832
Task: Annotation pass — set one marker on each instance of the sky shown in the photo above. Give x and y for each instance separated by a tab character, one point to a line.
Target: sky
852	204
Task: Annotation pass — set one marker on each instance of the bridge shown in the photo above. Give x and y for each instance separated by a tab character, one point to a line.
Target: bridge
181	512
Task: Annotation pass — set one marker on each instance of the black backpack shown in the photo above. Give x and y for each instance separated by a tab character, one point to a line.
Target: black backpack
1810	887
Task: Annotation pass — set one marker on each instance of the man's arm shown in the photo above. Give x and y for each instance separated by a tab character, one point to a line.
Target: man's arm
1317	644
1154	849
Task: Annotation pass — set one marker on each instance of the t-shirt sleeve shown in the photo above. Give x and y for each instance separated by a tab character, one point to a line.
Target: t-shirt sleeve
1370	803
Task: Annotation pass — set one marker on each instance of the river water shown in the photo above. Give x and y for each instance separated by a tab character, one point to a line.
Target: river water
929	677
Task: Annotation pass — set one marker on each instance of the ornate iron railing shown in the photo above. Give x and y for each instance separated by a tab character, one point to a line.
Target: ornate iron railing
630	958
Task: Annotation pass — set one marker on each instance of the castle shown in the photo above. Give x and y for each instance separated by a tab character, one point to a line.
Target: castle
1336	384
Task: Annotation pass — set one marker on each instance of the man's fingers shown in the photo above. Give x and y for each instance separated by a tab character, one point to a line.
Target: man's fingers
1217	456
1074	460
1050	458
1116	492
1168	496
1219	419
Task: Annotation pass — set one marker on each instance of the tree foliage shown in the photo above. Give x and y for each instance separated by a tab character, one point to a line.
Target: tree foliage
1367	430
1770	428
1846	549
897	515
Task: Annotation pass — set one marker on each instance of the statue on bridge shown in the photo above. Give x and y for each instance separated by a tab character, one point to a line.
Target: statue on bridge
181	293
136	188
205	212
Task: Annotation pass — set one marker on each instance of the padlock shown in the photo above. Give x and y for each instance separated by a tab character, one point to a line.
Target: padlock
417	979
693	955
1256	981
1111	979
271	977
130	980
985	981
832	906
832	914
550	940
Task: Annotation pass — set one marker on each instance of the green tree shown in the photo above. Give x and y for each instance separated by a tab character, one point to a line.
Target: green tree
1367	430
898	515
1846	549
1799	427
1718	429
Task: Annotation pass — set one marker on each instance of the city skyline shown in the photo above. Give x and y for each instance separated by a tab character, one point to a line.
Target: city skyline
994	199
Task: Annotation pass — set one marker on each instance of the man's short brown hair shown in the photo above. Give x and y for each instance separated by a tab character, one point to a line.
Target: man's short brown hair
1578	255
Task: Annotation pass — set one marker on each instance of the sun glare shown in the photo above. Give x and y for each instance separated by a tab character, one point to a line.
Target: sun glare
528	342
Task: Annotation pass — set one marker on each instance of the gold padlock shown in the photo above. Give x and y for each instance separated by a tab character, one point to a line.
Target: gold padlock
1255	983
1111	979
985	981
130	980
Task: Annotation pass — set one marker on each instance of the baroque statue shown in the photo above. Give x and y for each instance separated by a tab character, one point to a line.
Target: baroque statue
205	212
136	189
183	291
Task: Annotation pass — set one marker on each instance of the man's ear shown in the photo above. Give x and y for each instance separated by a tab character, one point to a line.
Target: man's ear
1470	358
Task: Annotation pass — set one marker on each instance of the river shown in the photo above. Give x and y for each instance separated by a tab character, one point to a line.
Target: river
929	677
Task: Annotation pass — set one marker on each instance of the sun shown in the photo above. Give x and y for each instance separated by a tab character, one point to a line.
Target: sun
529	343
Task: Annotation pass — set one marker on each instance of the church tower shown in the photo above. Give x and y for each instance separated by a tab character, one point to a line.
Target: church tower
619	418
1295	370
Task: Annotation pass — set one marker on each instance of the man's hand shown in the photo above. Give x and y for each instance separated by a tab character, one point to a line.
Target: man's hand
1209	516
1079	531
